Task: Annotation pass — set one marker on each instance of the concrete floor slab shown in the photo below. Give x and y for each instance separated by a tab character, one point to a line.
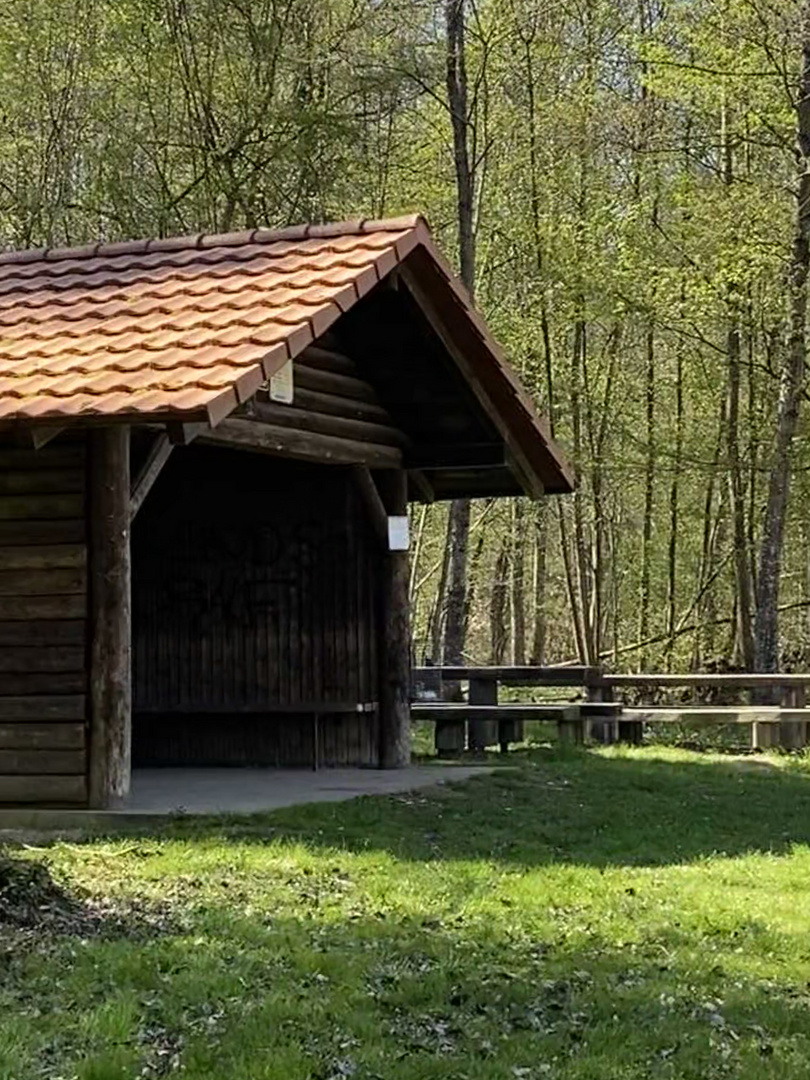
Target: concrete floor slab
249	791
159	794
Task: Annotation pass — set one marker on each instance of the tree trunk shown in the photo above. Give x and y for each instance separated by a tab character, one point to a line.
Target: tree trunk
672	546
582	564
649	481
497	606
744	639
459	521
538	653
436	621
518	584
458	537
704	637
790	384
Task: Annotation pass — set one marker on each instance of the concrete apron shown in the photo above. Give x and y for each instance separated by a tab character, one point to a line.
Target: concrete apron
162	795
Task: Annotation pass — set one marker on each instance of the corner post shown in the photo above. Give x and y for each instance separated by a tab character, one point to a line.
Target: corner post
111	617
395	667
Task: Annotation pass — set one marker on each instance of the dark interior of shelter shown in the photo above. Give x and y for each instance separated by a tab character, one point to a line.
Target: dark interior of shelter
254	601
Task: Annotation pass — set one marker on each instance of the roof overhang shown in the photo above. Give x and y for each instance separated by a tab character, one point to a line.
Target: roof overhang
187	330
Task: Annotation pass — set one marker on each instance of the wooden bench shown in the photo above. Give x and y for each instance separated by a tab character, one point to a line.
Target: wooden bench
570	717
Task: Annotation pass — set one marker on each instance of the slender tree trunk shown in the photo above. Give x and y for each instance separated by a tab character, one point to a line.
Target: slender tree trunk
754	427
570	584
518	583
704	640
540	627
458	537
744	641
743	647
456	81
437	620
674	492
791	383
649	490
474	572
499	598
459	519
581	560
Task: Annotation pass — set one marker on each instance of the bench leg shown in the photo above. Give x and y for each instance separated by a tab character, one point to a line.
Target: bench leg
570	732
483	733
450	737
631	731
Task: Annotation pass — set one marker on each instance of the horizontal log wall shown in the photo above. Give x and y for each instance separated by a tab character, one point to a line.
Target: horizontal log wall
43	612
331	399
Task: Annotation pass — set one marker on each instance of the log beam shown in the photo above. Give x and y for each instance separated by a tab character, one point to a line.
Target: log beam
339	427
331	382
110	609
302	445
395	710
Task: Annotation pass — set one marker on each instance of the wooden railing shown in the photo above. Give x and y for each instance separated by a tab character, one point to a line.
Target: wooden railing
483	721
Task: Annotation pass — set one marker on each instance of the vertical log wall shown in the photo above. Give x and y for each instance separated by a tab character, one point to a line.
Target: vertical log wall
255	585
43	613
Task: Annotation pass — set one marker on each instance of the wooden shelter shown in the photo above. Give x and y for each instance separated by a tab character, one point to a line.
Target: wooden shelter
207	449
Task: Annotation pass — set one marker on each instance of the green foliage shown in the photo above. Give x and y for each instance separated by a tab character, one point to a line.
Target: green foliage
634	169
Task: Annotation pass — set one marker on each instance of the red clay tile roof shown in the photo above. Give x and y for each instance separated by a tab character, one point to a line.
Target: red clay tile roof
189	327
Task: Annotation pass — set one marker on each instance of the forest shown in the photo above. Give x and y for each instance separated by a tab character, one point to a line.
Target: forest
623	185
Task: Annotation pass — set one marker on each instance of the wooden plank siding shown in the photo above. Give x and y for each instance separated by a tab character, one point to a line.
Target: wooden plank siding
255	592
43	619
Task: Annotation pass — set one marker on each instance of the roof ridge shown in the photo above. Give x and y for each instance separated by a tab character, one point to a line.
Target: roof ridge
199	241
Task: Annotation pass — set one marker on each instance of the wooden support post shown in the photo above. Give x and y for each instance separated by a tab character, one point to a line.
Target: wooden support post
571	731
630	731
793	736
450	737
395	675
765	736
483	733
510	731
110	609
601	731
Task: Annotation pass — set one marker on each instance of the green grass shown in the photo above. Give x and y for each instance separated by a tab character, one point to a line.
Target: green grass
588	915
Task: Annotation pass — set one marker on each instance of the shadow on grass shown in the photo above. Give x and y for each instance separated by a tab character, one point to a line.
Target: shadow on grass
561	807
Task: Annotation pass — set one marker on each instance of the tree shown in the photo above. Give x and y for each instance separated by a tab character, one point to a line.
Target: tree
791	377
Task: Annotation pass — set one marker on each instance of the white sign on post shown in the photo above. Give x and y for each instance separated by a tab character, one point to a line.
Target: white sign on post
281	384
398	533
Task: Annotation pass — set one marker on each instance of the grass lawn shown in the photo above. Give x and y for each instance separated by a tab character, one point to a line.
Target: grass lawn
627	913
